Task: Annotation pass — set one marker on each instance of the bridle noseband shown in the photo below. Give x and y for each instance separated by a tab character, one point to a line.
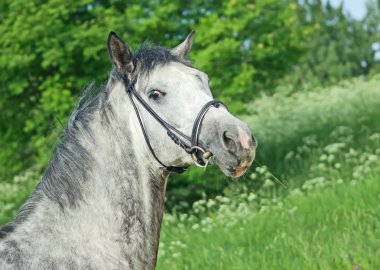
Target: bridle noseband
198	153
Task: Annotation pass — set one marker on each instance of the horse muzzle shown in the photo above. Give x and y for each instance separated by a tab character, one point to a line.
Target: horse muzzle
233	147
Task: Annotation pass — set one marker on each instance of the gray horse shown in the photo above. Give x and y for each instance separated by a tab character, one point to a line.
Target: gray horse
100	203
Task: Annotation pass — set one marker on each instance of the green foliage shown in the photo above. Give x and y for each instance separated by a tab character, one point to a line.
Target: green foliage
52	49
339	47
283	123
15	192
248	47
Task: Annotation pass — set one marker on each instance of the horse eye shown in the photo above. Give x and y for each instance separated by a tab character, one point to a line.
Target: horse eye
156	94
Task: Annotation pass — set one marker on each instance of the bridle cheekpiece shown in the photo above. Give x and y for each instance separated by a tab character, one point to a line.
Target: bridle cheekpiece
200	155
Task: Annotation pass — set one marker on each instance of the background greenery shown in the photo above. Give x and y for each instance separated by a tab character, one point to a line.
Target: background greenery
304	75
329	216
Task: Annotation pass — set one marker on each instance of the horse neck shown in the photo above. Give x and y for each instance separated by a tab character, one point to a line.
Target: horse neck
122	190
135	188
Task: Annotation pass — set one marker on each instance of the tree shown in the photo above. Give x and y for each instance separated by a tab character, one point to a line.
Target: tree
340	46
248	47
52	49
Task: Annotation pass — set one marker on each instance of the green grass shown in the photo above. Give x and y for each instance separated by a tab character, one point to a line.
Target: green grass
333	228
283	122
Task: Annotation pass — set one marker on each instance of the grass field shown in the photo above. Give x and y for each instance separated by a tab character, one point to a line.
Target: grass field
325	145
334	228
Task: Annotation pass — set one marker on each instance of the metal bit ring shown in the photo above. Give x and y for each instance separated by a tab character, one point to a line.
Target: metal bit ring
206	155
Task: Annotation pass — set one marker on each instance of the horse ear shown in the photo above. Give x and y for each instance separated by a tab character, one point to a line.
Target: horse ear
120	54
183	49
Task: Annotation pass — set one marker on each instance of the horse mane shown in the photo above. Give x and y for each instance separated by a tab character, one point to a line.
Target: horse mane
63	178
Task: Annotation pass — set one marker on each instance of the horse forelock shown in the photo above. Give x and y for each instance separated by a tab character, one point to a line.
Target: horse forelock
147	58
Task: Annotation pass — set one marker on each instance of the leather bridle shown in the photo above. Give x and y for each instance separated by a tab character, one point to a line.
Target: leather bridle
198	153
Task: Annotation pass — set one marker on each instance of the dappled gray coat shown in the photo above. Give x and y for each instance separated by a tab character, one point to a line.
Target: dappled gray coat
99	204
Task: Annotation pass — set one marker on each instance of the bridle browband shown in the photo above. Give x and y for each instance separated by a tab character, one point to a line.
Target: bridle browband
199	154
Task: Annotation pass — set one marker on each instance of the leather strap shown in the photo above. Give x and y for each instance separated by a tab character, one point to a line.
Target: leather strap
194	149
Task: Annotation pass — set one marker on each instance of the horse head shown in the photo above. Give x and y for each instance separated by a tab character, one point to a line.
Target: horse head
175	107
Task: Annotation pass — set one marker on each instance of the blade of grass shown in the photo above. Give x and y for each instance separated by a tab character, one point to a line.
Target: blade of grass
274	177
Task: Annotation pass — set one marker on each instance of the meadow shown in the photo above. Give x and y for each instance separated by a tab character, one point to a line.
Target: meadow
324	144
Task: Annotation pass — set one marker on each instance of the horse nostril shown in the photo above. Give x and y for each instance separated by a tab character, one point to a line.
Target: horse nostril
229	141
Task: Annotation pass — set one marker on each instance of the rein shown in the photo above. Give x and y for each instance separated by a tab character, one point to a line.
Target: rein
198	153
